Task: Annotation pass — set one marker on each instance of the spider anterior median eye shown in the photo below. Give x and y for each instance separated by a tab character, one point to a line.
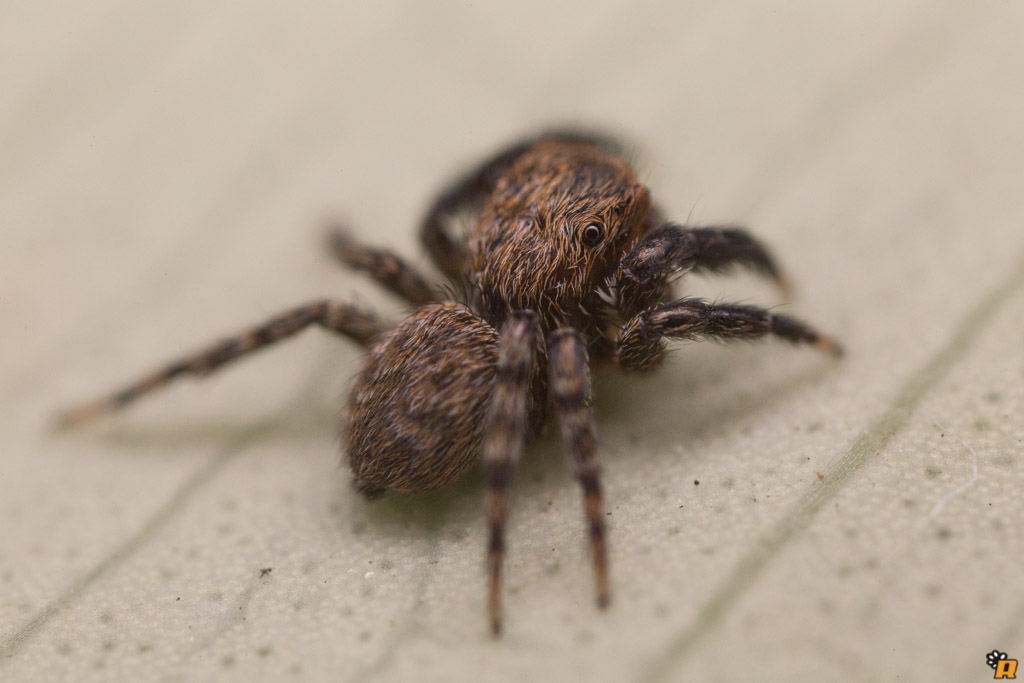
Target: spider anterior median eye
592	234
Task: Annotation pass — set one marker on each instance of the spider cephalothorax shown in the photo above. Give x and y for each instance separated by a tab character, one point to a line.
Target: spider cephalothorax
568	264
553	230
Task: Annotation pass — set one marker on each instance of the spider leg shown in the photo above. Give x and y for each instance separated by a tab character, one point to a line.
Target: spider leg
641	344
570	389
469	191
388	269
345	319
503	440
672	249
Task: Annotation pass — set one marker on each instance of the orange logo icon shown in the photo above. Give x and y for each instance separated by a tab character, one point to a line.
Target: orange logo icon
1004	667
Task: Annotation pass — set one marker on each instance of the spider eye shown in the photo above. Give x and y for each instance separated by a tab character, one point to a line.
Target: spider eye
592	235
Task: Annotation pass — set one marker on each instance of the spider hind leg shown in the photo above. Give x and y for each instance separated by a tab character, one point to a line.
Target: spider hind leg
385	267
344	319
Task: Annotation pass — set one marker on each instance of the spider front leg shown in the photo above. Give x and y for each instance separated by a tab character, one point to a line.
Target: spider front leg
641	344
505	432
345	319
570	389
672	249
382	265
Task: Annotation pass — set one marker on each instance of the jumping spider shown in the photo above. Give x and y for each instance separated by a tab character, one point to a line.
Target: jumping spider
568	263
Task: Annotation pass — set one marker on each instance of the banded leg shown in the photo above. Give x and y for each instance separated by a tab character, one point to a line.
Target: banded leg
671	249
344	319
504	435
383	266
470	190
641	344
570	389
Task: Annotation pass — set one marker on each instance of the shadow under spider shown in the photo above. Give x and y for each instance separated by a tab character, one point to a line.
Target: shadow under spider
451	507
629	401
623	404
299	423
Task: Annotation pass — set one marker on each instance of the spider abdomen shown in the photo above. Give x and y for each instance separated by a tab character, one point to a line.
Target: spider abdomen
417	409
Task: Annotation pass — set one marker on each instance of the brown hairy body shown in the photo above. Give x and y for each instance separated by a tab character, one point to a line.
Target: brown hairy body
568	263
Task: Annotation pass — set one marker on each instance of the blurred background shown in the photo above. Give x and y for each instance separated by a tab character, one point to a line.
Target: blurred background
166	172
